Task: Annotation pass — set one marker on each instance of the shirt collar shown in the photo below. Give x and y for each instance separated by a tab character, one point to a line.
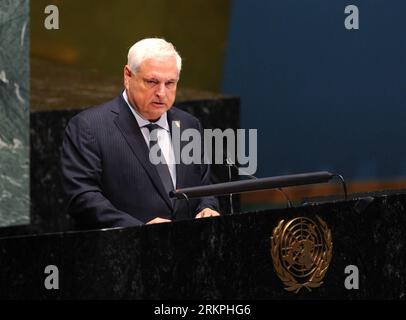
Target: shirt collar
142	122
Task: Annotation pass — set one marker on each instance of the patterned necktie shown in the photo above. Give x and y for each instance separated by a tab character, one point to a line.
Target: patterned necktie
162	168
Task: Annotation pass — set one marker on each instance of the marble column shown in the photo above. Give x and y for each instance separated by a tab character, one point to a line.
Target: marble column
14	112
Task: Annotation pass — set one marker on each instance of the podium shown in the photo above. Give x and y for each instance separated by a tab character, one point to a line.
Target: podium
227	257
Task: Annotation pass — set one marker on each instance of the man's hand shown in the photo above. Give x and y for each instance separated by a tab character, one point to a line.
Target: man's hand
207	212
158	220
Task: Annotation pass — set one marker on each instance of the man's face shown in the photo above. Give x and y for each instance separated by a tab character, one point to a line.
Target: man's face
152	90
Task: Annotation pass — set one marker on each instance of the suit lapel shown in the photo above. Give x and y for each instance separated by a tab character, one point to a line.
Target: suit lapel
175	123
129	128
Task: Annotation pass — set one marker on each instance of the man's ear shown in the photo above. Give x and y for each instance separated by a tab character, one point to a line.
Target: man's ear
127	71
127	75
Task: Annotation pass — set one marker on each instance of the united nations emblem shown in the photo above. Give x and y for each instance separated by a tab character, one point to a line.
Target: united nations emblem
301	252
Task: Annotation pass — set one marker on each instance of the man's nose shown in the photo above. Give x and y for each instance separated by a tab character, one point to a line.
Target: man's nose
160	91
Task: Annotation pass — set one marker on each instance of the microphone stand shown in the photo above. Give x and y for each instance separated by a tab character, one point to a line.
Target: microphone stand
230	164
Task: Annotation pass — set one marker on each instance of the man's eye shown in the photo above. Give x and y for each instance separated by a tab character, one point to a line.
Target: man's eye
150	82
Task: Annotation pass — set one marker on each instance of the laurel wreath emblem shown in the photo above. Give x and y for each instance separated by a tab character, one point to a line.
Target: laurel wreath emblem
316	277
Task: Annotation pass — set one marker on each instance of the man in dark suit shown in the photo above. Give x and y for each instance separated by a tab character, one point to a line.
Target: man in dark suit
107	173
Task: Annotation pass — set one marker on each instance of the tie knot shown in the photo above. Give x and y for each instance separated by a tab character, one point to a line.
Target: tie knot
152	126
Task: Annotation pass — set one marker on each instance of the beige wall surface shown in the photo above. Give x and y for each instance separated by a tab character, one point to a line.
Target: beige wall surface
96	35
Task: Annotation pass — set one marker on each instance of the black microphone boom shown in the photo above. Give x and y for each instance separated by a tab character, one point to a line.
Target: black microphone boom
221	189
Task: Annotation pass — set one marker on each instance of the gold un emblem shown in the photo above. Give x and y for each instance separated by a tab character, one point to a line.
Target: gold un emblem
301	252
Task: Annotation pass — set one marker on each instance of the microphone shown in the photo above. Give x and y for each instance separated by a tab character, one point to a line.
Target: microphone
230	164
275	182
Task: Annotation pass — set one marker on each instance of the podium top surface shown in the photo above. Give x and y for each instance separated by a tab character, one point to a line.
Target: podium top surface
60	87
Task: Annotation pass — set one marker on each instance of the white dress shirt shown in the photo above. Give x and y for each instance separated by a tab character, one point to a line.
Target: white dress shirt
164	137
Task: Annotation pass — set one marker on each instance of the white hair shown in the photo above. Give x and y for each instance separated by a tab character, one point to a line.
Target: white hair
151	48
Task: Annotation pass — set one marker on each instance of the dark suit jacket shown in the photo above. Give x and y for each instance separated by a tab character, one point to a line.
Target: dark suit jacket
108	178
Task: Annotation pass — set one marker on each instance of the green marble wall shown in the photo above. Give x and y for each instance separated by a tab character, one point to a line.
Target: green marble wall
14	112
